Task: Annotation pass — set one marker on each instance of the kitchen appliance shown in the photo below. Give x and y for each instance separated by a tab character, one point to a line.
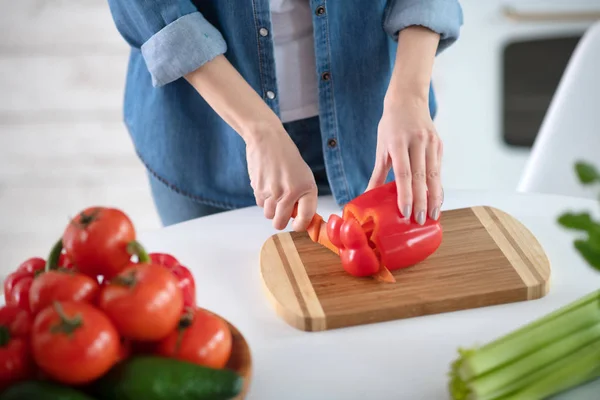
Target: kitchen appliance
495	83
487	257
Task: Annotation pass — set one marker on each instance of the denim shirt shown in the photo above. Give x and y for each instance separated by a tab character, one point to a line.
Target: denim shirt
185	144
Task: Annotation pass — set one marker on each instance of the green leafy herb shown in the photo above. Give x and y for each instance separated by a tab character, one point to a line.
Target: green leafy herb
587	173
589	245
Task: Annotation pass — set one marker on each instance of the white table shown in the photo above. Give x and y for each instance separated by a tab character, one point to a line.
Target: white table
405	359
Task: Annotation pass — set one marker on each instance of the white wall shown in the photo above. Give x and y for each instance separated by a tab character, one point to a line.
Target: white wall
63	146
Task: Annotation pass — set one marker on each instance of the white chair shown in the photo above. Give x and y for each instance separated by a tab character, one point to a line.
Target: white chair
571	128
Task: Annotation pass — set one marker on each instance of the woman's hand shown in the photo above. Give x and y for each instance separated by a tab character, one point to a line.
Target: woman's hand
407	141
281	178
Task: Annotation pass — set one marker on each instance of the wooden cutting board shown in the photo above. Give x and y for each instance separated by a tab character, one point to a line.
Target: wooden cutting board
486	258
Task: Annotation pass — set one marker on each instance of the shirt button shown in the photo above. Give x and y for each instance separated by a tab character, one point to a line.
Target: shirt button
332	143
325	76
320	10
263	31
270	95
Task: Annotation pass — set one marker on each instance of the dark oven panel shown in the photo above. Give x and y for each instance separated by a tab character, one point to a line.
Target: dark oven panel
531	73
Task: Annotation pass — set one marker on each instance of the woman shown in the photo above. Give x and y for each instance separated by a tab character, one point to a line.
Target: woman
243	102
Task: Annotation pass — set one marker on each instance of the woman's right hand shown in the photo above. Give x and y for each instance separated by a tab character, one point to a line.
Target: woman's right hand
280	177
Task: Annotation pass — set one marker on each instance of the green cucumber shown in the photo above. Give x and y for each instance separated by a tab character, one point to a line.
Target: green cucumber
42	390
162	378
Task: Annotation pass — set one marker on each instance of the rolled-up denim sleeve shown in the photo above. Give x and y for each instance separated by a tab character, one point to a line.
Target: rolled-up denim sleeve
173	36
444	17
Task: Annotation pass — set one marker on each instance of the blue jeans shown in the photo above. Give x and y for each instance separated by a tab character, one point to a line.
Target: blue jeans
174	207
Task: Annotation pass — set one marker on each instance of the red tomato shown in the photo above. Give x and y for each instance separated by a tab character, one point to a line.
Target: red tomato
19	294
27	269
143	301
32	265
184	276
16	320
65	262
74	343
16	363
62	286
124	349
201	338
96	241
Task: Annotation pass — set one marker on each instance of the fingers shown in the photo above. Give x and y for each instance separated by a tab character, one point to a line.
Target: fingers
307	207
379	174
283	212
418	165
270	205
434	183
402	175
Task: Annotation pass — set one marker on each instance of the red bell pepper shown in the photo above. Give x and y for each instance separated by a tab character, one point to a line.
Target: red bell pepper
372	237
183	274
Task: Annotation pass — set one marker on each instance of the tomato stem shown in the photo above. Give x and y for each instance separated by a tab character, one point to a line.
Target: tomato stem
135	248
128	280
66	325
52	262
185	322
4	336
87	219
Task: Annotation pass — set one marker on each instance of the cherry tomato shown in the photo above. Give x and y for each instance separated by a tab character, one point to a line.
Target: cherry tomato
16	363
183	274
74	343
19	294
63	286
27	269
32	265
201	337
16	320
96	241
143	301
64	262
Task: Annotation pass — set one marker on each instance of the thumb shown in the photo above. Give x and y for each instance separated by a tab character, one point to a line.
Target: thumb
379	174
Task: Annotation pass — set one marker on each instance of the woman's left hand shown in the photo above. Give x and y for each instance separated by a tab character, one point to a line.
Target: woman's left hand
408	143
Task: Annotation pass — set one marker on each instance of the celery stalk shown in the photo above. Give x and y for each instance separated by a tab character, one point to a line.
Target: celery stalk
577	315
513	362
503	380
575	369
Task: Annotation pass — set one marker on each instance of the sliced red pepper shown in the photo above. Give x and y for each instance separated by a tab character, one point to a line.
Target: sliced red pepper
372	237
400	242
317	231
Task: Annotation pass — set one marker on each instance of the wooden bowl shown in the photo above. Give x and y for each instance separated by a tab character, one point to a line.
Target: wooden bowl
241	358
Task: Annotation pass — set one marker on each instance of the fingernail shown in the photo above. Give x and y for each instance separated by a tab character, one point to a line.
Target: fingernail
406	211
420	217
435	214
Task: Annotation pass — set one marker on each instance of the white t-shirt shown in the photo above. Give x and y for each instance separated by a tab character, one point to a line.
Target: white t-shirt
292	32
